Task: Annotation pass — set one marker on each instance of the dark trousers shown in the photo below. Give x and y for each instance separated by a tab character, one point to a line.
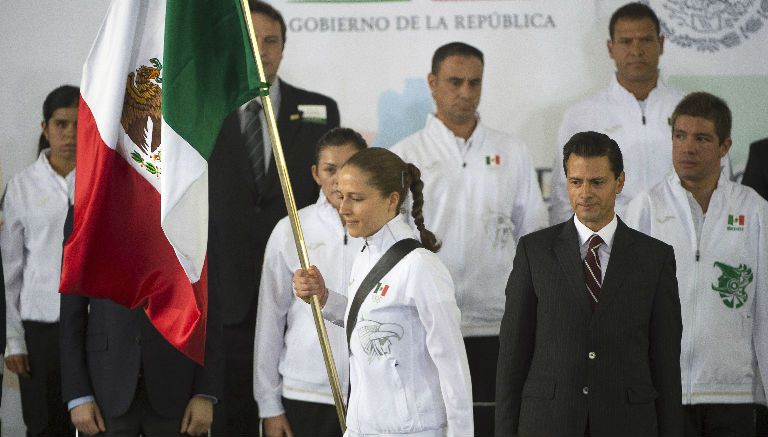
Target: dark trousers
482	354
310	419
720	420
237	414
762	421
43	409
141	419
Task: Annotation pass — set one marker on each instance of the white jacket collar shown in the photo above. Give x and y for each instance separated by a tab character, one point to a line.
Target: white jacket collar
392	232
437	129
621	93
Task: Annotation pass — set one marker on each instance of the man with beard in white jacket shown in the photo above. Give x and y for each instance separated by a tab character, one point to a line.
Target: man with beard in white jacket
634	110
481	189
292	391
719	230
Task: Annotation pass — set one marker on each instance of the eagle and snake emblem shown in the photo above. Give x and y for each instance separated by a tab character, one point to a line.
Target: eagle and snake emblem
376	338
732	284
143	102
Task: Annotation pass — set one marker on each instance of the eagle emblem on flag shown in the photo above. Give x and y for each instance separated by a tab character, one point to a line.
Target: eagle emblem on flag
143	102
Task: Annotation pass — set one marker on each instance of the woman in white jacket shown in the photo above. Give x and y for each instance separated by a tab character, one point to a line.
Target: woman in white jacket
408	367
293	393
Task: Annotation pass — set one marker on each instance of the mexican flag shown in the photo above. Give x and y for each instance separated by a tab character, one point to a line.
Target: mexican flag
157	85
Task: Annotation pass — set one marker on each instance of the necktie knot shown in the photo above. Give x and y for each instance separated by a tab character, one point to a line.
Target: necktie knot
594	242
254	106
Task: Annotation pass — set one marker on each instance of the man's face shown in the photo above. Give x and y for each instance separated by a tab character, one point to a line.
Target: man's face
456	88
696	149
635	47
269	36
592	189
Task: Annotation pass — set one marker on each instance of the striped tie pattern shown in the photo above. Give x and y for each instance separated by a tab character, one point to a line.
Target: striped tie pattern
254	141
592	272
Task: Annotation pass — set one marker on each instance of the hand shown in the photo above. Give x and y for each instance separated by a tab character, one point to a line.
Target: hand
198	416
18	364
308	283
87	418
277	426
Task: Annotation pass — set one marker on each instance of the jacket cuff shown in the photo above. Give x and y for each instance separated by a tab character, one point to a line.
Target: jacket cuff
15	346
270	407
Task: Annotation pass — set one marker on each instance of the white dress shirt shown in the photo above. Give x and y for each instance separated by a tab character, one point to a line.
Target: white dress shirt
606	233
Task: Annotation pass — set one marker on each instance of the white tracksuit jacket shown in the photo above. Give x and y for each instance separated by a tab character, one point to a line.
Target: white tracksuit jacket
723	281
480	197
288	361
643	135
408	366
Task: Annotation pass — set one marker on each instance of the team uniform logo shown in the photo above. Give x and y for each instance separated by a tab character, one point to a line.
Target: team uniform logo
708	25
379	292
736	222
376	338
142	103
499	229
732	284
493	161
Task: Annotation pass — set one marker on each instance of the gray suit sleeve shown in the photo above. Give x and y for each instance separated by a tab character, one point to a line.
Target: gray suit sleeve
516	342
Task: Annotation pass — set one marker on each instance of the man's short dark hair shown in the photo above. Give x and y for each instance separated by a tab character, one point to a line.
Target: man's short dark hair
594	145
258	6
633	11
453	49
709	107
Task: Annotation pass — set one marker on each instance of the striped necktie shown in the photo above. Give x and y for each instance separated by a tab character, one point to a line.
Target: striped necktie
254	141
592	272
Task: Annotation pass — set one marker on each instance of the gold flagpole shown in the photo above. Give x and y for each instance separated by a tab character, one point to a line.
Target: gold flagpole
290	204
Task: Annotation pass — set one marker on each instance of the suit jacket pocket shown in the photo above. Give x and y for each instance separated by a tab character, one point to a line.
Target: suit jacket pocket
95	342
641	394
539	388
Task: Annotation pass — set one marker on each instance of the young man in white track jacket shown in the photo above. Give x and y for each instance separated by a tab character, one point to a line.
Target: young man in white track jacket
482	195
719	230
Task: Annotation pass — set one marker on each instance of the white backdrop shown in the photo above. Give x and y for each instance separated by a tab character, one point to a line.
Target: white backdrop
373	58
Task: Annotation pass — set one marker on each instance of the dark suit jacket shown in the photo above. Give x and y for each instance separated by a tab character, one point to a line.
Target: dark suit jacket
104	350
756	171
241	220
553	348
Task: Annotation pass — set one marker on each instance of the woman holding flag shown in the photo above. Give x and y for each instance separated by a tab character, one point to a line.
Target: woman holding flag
408	367
34	209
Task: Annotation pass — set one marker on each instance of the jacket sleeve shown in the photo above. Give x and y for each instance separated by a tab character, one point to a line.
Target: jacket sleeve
435	302
516	341
528	213
666	328
275	299
559	206
638	214
208	379
760	329
12	242
73	322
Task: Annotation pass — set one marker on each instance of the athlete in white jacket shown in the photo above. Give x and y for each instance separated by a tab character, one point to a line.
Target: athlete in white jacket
482	193
408	368
293	393
719	230
634	110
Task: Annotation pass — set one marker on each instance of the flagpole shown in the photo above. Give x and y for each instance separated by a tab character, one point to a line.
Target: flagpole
298	236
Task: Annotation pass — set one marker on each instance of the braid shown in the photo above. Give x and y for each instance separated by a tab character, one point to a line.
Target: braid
428	239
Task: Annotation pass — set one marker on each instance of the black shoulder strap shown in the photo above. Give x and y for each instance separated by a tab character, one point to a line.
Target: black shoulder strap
390	258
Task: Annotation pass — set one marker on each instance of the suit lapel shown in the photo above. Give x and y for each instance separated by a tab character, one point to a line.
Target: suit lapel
621	262
287	129
566	249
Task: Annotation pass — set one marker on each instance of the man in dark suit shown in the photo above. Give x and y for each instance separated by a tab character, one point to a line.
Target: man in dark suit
590	339
246	203
756	171
121	377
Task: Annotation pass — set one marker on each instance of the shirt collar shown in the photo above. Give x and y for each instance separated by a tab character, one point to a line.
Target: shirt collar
438	129
623	93
606	233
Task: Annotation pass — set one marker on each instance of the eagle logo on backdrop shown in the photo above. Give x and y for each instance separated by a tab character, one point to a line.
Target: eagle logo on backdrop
710	25
376	338
732	284
143	102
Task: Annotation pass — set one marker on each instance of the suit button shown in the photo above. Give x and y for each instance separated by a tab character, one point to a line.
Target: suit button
585	390
592	355
138	339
